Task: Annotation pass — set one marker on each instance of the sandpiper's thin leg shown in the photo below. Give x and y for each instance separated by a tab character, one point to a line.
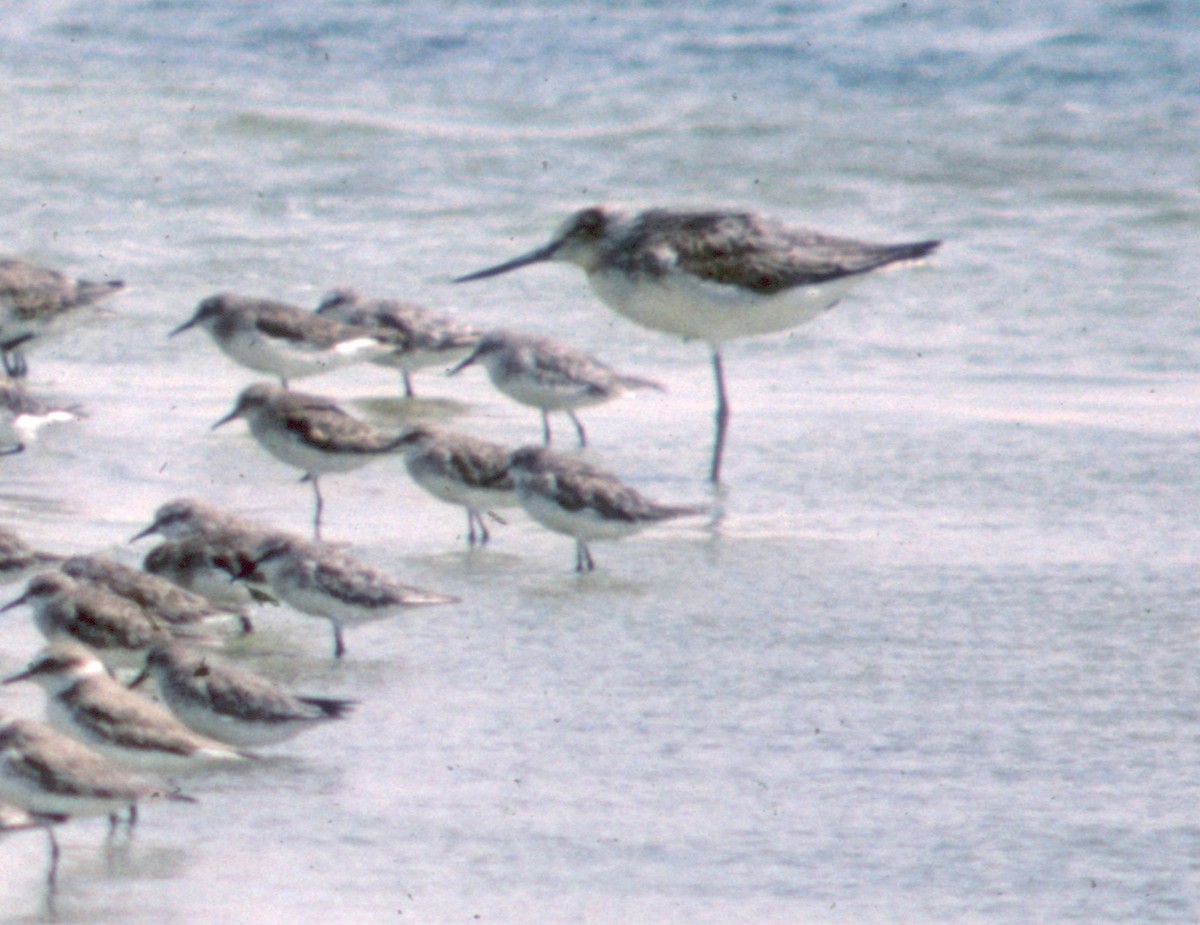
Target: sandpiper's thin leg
320	506
52	874
408	389
545	428
473	518
578	428
339	644
583	557
722	417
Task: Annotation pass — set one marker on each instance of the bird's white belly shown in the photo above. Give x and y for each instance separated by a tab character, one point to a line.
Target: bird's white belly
679	303
294	359
583	524
453	491
530	391
289	448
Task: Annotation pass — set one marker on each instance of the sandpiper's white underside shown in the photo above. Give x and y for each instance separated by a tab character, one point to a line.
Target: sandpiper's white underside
295	359
586	524
290	448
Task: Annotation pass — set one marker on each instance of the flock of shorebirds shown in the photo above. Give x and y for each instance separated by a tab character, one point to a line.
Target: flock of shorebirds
706	275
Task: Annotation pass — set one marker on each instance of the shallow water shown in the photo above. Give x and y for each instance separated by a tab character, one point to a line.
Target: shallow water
931	658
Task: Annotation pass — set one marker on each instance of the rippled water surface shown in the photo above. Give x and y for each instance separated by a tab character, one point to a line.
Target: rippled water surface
931	658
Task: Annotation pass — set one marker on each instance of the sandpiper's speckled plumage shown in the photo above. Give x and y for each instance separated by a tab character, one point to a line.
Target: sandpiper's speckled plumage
460	469
573	497
206	549
548	375
323	582
281	339
35	300
114	626
88	704
232	704
163	600
420	337
310	432
711	275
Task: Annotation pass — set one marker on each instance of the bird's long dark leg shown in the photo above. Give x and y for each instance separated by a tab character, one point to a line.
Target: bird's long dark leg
408	389
52	873
546	428
483	536
13	450
722	418
583	557
578	427
339	644
14	358
319	508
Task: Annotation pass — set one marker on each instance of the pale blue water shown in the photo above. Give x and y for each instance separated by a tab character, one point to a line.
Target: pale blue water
935	662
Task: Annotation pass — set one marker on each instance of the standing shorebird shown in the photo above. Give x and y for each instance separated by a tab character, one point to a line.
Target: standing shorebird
34	301
420	337
548	375
310	432
281	339
713	276
460	469
322	582
570	496
53	777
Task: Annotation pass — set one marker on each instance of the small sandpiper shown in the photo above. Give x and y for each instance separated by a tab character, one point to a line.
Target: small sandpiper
231	704
570	496
420	336
321	582
712	276
34	301
206	549
163	600
54	777
281	339
115	627
89	704
18	558
460	469
310	432
207	568
22	416
548	375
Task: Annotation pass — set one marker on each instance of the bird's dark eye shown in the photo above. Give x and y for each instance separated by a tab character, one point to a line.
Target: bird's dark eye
590	224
